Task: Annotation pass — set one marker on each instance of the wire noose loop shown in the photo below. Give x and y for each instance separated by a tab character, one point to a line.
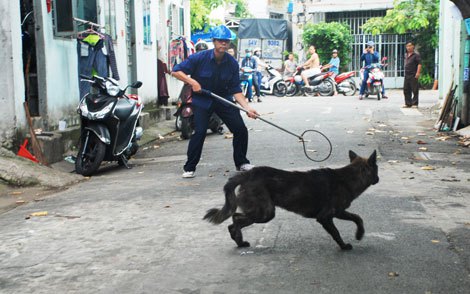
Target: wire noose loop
305	147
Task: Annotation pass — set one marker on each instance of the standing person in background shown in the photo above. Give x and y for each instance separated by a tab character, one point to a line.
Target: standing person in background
290	65
311	66
368	57
217	72
412	72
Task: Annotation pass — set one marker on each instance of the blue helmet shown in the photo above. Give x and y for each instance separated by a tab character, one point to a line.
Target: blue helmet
222	32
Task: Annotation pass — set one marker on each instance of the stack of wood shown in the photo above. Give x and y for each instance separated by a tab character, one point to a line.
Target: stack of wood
447	120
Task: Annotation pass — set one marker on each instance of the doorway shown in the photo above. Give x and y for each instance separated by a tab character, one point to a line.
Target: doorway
28	38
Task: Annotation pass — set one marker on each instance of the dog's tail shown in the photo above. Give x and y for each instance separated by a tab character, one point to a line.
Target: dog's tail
218	216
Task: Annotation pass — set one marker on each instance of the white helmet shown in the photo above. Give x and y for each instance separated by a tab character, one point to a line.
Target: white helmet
201	46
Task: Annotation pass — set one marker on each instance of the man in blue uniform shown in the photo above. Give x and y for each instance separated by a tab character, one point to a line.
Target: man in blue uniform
217	72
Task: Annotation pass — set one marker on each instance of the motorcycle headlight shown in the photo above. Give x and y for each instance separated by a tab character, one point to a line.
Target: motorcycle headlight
102	113
112	89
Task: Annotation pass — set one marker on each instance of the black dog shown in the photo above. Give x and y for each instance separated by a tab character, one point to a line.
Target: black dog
322	194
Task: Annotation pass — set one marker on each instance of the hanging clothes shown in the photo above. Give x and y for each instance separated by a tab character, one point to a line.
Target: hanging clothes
176	54
95	56
180	49
163	95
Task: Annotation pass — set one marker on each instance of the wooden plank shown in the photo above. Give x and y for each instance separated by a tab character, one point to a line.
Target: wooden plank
37	152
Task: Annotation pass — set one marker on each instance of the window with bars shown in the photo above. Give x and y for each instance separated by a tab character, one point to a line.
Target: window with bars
176	21
355	19
147	23
64	11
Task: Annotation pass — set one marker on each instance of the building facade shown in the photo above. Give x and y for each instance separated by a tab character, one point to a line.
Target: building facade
355	13
454	53
40	64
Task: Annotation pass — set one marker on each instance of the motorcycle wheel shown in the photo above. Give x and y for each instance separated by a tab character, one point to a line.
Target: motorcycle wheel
178	122
352	89
329	88
89	161
280	89
378	89
186	128
291	89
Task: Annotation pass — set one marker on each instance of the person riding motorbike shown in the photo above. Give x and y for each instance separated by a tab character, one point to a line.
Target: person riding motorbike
249	61
333	65
311	66
369	57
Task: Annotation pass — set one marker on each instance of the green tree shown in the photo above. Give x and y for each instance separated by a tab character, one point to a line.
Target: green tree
200	10
241	9
420	18
328	36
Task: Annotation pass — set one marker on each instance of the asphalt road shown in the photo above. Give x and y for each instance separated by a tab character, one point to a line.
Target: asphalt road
141	230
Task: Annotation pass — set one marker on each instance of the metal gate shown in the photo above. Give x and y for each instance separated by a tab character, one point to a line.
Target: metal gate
390	45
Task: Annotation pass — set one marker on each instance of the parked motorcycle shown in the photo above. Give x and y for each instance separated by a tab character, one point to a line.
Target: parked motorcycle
109	124
321	83
345	83
246	81
184	121
273	83
375	79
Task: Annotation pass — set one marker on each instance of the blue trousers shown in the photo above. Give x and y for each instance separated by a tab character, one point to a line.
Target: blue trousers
232	119
364	84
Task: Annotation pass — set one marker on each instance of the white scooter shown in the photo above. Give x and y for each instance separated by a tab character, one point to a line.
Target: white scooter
274	83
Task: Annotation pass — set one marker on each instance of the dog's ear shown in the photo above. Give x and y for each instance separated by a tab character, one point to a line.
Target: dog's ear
373	158
352	155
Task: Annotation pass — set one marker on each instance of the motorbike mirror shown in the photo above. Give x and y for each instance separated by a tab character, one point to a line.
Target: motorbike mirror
136	85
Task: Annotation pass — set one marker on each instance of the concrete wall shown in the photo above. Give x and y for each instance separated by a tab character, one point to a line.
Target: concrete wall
450	29
61	81
11	80
452	35
146	54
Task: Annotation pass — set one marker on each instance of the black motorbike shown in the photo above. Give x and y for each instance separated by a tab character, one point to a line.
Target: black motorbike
184	121
109	124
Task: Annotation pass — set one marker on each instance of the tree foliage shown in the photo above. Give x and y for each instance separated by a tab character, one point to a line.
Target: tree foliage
241	9
420	18
200	10
328	36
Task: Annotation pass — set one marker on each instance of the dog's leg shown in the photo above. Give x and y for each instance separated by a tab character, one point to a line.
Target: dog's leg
239	221
345	215
330	227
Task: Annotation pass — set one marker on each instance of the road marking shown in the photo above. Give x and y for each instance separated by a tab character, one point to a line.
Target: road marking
411	111
385	236
327	110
